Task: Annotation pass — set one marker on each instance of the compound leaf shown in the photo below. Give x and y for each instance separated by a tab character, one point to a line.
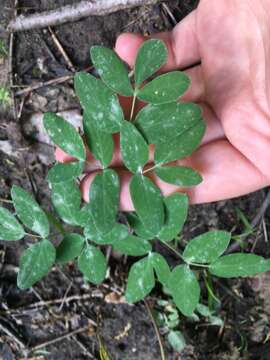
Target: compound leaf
64	172
99	102
161	268
104	200
132	245
207	247
151	56
185	289
111	69
66	199
29	211
160	123
140	280
35	262
165	88
148	203
180	146
134	149
69	248
176	209
100	143
10	228
92	264
179	175
235	265
64	135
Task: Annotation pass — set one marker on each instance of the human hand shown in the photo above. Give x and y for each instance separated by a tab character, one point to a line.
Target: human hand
231	38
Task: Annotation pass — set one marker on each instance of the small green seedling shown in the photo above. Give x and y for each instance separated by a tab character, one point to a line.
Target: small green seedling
175	128
3	49
4	96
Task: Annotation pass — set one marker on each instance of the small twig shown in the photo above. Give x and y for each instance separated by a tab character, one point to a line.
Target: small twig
73	13
60	338
42	303
42	84
39	85
6	201
10	65
65	296
81	345
62	50
254	222
168	11
12	335
162	351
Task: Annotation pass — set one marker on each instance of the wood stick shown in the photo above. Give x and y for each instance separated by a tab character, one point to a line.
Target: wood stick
73	13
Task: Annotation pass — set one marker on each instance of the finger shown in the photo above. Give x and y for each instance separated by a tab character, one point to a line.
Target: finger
125	202
196	89
227	174
182	44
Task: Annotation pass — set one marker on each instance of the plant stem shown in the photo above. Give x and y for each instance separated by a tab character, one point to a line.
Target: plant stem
162	352
34	236
181	257
172	249
133	105
151	168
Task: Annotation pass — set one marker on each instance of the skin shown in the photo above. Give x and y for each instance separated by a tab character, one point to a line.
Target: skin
231	39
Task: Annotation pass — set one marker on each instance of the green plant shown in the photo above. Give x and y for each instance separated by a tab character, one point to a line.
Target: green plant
176	129
3	49
4	96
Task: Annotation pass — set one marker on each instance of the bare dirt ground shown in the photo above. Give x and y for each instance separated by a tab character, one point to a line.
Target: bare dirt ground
63	307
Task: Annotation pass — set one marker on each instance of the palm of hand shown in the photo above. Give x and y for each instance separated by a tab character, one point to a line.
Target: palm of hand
232	41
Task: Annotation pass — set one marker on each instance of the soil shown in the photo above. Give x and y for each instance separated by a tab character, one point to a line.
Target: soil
63	302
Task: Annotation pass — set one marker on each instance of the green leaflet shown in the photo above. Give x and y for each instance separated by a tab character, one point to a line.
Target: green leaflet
203	310
64	135
66	199
148	203
151	56
132	245
160	123
176	209
69	248
99	102
65	172
185	289
29	211
111	69
10	228
179	175
165	88
140	280
181	146
118	233
138	226
134	149
207	247
235	265
104	200
100	143
92	264
35	262
161	268
177	340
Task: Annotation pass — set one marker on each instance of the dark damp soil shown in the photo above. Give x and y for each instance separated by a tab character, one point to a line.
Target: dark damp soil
62	302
